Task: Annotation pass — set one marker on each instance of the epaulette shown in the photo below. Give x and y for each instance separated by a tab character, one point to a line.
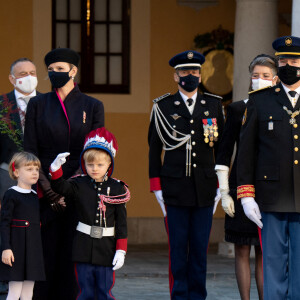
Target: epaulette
121	181
262	89
161	97
79	175
213	95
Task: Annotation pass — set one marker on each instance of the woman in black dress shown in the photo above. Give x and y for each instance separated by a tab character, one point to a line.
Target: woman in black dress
58	122
22	254
238	228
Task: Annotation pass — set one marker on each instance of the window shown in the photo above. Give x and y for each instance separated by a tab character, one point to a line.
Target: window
99	31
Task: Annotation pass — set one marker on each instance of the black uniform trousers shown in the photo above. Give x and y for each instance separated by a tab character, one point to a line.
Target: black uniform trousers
188	231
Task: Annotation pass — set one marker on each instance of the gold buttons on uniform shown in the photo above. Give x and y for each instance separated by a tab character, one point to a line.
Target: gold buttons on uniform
296	149
193	143
265	177
296	137
194	165
194	154
192	132
97	221
295	125
26	223
192	121
296	162
271	117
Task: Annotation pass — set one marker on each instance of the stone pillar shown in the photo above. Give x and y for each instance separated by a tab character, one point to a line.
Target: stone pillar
296	18
256	24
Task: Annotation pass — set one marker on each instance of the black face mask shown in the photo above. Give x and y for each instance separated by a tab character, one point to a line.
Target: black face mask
189	83
289	74
58	79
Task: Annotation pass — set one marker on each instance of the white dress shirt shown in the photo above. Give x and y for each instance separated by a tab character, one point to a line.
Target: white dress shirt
293	100
184	97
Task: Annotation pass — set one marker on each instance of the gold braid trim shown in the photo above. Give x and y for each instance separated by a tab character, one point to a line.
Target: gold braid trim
245	191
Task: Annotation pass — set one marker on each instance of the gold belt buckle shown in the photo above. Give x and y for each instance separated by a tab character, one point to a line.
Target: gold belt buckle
96	232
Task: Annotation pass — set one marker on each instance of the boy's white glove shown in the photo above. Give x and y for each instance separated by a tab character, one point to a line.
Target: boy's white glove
227	201
251	210
217	199
160	200
118	260
59	161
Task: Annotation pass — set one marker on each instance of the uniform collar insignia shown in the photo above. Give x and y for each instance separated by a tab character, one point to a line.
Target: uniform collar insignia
177	103
206	113
175	116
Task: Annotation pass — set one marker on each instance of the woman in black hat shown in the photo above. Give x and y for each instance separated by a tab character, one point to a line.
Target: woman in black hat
58	122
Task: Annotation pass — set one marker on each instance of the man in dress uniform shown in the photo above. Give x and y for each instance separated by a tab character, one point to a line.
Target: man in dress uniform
269	173
186	126
24	79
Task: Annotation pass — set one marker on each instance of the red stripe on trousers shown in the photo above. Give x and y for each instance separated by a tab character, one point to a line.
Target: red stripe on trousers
110	294
76	275
171	278
260	241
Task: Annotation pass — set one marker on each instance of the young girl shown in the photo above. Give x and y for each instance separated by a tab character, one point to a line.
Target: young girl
22	255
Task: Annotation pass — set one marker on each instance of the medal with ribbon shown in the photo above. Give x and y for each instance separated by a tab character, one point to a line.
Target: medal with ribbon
210	131
292	114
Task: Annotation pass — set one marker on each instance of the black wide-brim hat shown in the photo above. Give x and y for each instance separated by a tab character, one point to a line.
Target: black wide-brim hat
287	46
62	55
187	60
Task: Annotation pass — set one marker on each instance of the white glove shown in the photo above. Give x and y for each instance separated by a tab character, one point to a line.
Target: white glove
160	200
217	199
59	161
251	210
227	201
118	260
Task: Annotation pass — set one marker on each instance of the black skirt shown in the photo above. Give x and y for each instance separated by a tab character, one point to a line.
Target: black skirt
239	229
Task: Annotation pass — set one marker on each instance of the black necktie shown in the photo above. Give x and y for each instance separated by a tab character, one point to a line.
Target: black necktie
190	101
293	94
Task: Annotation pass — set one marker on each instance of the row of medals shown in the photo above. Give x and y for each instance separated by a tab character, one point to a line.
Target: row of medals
210	134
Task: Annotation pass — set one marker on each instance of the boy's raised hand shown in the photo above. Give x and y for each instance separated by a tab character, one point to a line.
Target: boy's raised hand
59	161
8	257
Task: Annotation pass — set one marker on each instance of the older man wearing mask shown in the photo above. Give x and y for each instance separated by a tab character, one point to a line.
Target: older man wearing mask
13	106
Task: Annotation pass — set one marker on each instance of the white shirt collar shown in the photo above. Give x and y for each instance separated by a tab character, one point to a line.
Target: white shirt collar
287	90
184	97
20	95
21	190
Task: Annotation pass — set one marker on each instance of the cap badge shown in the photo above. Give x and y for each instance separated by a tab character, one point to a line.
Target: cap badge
277	90
190	55
288	41
206	113
177	103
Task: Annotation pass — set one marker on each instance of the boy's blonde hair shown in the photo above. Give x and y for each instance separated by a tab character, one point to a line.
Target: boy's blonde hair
21	159
94	154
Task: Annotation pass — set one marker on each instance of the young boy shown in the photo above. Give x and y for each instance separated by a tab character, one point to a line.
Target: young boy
101	237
